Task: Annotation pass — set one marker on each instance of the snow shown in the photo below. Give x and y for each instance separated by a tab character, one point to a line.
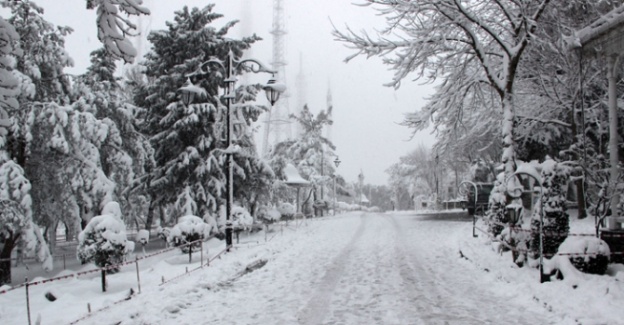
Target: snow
355	268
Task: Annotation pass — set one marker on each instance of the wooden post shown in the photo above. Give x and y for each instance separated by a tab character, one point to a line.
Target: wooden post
103	280
190	247
136	262
27	301
201	254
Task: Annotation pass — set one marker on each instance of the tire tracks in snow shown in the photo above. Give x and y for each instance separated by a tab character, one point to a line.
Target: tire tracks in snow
317	307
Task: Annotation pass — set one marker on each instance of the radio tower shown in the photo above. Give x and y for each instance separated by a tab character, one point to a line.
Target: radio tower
277	124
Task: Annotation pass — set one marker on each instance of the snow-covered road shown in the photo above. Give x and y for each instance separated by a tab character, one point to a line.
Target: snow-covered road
352	269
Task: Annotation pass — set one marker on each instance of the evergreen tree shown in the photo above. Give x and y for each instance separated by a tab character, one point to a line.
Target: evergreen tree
311	153
189	140
556	226
126	152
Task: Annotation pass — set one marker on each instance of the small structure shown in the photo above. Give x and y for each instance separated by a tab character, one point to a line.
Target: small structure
605	38
295	180
364	199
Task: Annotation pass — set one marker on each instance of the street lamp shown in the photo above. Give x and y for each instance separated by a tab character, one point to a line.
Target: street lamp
463	190
337	163
189	91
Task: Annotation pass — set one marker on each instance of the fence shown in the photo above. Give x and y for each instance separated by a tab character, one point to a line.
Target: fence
103	270
548	234
203	263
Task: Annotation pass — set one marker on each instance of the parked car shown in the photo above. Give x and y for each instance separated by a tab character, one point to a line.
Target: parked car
478	205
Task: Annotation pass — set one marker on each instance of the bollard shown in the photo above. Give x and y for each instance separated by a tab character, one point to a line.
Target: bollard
190	253
27	300
89	307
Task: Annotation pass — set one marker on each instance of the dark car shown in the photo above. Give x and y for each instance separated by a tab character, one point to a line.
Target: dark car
478	205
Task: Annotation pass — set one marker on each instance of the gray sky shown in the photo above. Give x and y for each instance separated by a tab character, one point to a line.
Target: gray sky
366	113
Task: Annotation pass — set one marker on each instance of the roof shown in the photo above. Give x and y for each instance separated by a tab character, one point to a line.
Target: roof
604	35
293	178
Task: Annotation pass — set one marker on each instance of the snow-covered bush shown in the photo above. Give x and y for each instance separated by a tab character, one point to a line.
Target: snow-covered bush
495	215
189	229
287	210
594	254
269	215
556	225
104	240
143	237
163	232
241	218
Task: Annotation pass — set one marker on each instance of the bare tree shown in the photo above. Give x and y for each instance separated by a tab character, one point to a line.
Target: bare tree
480	41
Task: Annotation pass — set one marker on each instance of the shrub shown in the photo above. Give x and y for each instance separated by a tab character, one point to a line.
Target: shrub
594	254
287	210
189	229
241	218
495	215
104	240
269	215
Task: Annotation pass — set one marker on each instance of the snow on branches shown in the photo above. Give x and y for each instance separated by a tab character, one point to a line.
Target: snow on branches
9	83
113	29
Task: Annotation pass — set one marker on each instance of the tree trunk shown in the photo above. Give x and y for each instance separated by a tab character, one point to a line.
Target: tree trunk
509	151
580	199
5	260
150	215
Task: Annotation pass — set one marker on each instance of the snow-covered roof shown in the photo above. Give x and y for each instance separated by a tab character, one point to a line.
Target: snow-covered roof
293	178
604	34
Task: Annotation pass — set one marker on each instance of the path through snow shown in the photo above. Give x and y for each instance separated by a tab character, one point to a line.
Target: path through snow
353	269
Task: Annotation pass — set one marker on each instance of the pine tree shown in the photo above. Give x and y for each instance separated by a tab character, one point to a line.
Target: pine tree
126	152
188	141
311	153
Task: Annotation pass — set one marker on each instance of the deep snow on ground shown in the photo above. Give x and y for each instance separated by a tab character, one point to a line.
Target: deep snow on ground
357	268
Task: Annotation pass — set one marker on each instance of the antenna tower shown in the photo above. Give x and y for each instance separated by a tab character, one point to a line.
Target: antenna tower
277	124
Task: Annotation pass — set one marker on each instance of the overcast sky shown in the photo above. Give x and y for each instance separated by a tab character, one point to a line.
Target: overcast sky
366	113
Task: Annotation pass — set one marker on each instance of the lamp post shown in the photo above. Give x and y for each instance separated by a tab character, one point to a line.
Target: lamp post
189	91
463	190
437	161
337	163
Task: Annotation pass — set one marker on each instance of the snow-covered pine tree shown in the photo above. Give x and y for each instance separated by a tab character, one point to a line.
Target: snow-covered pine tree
41	79
311	152
556	227
495	215
113	29
188	140
126	152
16	222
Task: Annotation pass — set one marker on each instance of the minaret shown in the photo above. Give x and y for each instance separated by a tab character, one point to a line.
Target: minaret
301	94
330	106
